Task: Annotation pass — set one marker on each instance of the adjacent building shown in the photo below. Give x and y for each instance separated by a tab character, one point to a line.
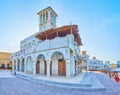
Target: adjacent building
53	51
95	64
118	64
108	64
5	60
114	65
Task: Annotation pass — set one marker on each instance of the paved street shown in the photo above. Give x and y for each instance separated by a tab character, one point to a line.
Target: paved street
6	74
16	86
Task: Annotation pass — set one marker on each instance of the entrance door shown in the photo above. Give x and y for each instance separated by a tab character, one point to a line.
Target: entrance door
3	66
75	67
18	66
8	66
51	68
45	68
37	67
22	67
61	68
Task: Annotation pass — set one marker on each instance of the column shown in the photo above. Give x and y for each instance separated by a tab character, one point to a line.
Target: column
34	67
20	65
67	68
45	16
25	66
72	66
16	65
48	68
49	18
49	15
12	65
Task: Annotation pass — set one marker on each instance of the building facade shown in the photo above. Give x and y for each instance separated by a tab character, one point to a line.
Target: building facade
114	65
107	64
95	64
118	64
52	51
5	60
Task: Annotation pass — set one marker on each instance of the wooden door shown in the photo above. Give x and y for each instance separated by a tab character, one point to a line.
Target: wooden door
18	66
61	68
51	68
45	68
38	68
75	67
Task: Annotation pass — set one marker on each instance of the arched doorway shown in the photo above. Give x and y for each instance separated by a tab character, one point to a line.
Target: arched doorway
41	65
58	64
29	65
38	67
22	65
3	66
8	66
18	65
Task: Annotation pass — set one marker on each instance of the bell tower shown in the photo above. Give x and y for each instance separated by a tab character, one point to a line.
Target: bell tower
47	19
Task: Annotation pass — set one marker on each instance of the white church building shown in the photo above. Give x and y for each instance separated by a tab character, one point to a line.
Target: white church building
53	51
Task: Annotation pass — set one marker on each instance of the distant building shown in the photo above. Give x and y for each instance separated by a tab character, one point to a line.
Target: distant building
5	60
114	65
84	52
95	64
108	64
94	58
118	64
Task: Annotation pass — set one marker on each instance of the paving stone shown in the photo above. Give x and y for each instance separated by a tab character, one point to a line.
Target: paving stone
18	86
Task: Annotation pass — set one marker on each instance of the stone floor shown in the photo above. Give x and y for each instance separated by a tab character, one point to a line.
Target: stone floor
11	85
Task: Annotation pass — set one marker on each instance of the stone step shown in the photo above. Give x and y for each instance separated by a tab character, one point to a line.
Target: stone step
86	82
89	82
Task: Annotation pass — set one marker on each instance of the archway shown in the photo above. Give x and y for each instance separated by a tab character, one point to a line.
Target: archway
58	64
41	64
8	66
29	65
3	66
38	67
18	65
22	65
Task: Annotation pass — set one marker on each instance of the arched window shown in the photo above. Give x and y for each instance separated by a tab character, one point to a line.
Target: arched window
46	16
33	42
43	17
40	18
57	55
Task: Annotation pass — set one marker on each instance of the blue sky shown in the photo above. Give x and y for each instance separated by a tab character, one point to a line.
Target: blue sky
98	21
